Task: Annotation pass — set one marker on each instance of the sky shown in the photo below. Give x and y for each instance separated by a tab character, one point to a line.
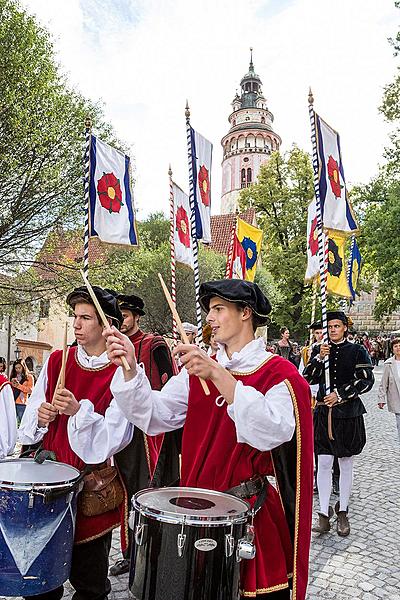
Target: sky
144	58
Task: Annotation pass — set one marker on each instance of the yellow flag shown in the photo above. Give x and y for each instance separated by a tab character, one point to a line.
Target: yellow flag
337	283
250	238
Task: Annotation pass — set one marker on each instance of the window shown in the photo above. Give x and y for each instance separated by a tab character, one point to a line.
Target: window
248	177
243	178
262	119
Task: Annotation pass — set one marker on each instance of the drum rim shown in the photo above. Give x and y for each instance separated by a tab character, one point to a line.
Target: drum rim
195	520
22	486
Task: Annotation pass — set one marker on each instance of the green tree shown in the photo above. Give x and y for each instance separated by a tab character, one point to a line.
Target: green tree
41	138
280	198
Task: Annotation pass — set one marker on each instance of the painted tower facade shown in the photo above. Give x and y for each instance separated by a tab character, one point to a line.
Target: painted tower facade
249	142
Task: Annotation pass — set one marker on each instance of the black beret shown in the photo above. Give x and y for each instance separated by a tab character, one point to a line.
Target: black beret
132	303
107	301
236	290
315	325
337	314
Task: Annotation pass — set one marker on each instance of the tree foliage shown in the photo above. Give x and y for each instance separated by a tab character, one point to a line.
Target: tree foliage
41	138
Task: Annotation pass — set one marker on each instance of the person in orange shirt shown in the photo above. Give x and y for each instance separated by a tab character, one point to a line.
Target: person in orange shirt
22	383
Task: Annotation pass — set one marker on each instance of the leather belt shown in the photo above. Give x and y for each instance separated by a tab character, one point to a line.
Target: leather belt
330	430
249	488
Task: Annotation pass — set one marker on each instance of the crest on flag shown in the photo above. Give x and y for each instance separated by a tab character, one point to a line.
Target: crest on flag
201	165
336	273
182	233
336	210
111	212
354	268
312	270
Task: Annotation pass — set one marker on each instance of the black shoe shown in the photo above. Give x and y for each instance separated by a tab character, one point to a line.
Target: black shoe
120	567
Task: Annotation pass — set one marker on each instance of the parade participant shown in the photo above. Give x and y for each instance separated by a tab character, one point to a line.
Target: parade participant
317	336
338	418
8	418
389	389
3	366
22	383
146	460
191	332
255	422
209	340
67	424
284	347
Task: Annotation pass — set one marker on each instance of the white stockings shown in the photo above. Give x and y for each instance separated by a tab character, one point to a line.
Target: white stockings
324	481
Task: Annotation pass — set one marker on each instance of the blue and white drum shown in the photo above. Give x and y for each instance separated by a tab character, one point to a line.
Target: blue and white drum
37	522
186	544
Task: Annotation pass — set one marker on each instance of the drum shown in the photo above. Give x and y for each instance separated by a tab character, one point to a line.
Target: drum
186	544
37	521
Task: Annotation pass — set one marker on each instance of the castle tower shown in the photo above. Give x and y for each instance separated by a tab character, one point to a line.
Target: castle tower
249	142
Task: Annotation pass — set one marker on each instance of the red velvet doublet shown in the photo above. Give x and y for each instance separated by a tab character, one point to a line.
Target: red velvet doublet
213	459
93	385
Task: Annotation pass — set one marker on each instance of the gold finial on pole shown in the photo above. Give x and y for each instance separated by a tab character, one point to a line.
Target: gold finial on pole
310	96
170	171
88	122
187	111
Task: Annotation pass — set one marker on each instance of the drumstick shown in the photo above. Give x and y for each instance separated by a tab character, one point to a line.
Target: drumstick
101	313
61	376
179	326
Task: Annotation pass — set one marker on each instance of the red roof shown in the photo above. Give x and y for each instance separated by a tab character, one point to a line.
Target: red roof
221	229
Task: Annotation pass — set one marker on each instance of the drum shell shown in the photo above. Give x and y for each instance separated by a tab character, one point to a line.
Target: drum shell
157	572
33	523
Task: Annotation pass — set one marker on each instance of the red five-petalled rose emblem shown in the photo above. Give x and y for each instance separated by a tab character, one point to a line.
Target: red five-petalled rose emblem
333	176
182	226
110	194
313	239
204	185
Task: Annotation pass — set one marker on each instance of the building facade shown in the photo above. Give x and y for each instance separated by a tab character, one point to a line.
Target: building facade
249	142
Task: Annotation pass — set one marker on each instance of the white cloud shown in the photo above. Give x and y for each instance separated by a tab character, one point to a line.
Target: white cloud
143	59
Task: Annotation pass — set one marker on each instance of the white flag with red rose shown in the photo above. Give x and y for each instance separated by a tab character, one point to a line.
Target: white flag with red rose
182	233
111	211
201	164
336	209
312	243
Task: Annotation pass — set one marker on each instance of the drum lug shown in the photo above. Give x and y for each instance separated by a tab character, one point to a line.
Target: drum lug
140	534
229	544
131	520
181	540
31	499
246	547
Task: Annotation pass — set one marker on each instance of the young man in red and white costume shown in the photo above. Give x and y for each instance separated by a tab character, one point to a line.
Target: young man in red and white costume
8	418
256	421
82	425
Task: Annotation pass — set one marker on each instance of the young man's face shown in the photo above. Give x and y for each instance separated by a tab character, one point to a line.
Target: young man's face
87	329
131	322
225	319
336	330
318	335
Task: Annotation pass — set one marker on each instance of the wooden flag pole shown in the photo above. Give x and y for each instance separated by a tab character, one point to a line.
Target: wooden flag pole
230	251
61	376
101	314
179	325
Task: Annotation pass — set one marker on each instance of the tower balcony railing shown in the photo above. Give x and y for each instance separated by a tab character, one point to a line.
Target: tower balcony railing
252	149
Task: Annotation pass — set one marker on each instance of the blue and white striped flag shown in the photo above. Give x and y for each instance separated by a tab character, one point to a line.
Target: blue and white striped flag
112	217
201	164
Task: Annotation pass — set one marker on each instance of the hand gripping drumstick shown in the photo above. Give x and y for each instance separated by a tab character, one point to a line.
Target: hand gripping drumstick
61	375
179	325
101	313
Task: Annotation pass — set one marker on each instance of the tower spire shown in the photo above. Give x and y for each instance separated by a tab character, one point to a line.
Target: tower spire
251	67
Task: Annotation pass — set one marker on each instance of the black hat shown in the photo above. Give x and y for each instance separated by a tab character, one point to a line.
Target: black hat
107	301
132	303
236	290
315	325
337	314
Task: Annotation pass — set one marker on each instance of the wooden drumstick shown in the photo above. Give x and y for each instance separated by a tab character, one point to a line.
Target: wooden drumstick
179	326
61	376
101	313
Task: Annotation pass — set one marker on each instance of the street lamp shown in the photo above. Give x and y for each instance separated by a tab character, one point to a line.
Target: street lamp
17	353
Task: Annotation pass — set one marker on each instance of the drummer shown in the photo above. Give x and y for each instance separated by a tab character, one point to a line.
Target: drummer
8	418
66	423
255	422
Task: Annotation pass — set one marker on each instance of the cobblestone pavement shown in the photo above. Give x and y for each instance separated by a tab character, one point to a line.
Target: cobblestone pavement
366	564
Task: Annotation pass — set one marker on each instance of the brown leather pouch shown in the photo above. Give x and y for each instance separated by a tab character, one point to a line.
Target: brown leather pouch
102	492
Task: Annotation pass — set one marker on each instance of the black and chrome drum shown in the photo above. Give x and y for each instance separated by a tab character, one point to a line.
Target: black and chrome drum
186	542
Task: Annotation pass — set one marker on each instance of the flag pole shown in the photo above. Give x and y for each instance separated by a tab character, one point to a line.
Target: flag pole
230	251
349	264
322	245
88	130
172	249
313	307
192	191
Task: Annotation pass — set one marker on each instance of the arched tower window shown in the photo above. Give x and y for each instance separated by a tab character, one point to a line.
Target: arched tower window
243	178
262	119
249	176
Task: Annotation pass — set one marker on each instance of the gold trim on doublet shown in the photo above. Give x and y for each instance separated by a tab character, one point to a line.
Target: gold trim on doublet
88	368
254	370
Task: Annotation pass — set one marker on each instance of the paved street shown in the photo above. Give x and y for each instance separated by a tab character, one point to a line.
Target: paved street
366	564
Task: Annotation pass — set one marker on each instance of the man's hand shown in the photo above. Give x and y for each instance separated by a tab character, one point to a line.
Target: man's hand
46	414
331	399
65	402
381	405
119	345
196	361
324	350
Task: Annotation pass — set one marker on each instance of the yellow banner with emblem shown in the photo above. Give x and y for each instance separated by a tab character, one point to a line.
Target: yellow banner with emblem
250	238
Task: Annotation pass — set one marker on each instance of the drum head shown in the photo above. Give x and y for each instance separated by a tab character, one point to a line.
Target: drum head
193	506
25	471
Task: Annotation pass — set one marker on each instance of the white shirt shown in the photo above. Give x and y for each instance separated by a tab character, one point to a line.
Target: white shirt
93	437
8	421
262	421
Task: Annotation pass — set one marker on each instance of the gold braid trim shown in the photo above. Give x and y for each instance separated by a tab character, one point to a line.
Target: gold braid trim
268	590
87	368
146	447
94	537
254	370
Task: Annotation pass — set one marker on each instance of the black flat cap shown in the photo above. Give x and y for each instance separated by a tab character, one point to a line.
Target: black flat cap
337	314
315	325
132	303
236	290
107	301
